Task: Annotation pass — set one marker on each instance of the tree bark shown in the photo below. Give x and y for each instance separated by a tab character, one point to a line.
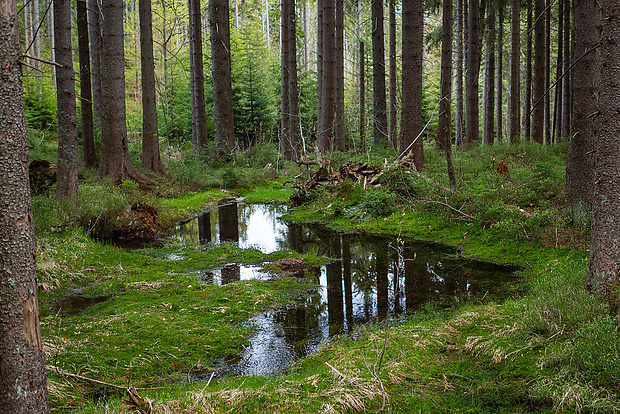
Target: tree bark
458	110
444	133
322	142
514	103
328	77
285	110
380	127
68	147
488	92
604	247
89	154
115	162
472	70
393	112
224	124
411	111
557	108
199	113
527	112
580	164
36	36
538	117
362	114
23	380
566	84
293	87
499	77
95	37
339	130
150	136
547	100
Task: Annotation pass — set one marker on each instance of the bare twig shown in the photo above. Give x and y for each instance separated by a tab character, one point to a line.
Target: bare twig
450	207
49	62
64	373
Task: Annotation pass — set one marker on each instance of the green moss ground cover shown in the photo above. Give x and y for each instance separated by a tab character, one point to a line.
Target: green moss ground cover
556	349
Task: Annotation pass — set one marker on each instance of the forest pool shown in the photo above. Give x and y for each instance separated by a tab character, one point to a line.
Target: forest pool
371	278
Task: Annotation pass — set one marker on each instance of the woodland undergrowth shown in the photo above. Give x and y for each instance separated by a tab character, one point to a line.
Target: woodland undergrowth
551	348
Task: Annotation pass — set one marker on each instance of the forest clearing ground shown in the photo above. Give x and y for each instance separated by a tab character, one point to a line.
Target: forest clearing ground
551	347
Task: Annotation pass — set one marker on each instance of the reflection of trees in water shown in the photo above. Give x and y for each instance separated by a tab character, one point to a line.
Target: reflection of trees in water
228	220
303	323
204	228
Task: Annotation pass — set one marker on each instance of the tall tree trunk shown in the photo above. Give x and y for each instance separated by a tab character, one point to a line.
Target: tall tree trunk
547	100
199	114
604	247
27	9
557	107
293	87
339	130
322	141
411	111
362	114
444	130
514	103
538	117
328	77
115	162
23	383
52	42
488	92
36	36
150	136
566	84
94	28
458	111
68	147
392	76
285	110
472	70
89	154
380	126
305	29
527	115
499	77
580	164
224	125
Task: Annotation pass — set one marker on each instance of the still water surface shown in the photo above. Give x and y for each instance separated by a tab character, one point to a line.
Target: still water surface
370	278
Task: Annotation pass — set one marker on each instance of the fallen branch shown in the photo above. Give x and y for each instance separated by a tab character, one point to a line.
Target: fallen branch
143	405
449	206
64	373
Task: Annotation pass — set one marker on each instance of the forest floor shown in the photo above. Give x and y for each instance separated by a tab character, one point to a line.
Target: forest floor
550	347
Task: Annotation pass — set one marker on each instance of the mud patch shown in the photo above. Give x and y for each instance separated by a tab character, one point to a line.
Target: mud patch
75	303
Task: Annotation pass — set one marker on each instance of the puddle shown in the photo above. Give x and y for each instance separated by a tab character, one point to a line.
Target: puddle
370	278
75	303
248	225
230	273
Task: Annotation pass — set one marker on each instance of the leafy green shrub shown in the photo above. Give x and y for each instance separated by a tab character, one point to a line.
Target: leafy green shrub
379	202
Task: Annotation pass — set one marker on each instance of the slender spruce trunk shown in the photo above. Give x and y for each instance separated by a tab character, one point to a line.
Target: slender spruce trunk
89	153
68	147
380	127
151	158
514	102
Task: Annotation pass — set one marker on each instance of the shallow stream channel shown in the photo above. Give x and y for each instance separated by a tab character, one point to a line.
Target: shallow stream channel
371	278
